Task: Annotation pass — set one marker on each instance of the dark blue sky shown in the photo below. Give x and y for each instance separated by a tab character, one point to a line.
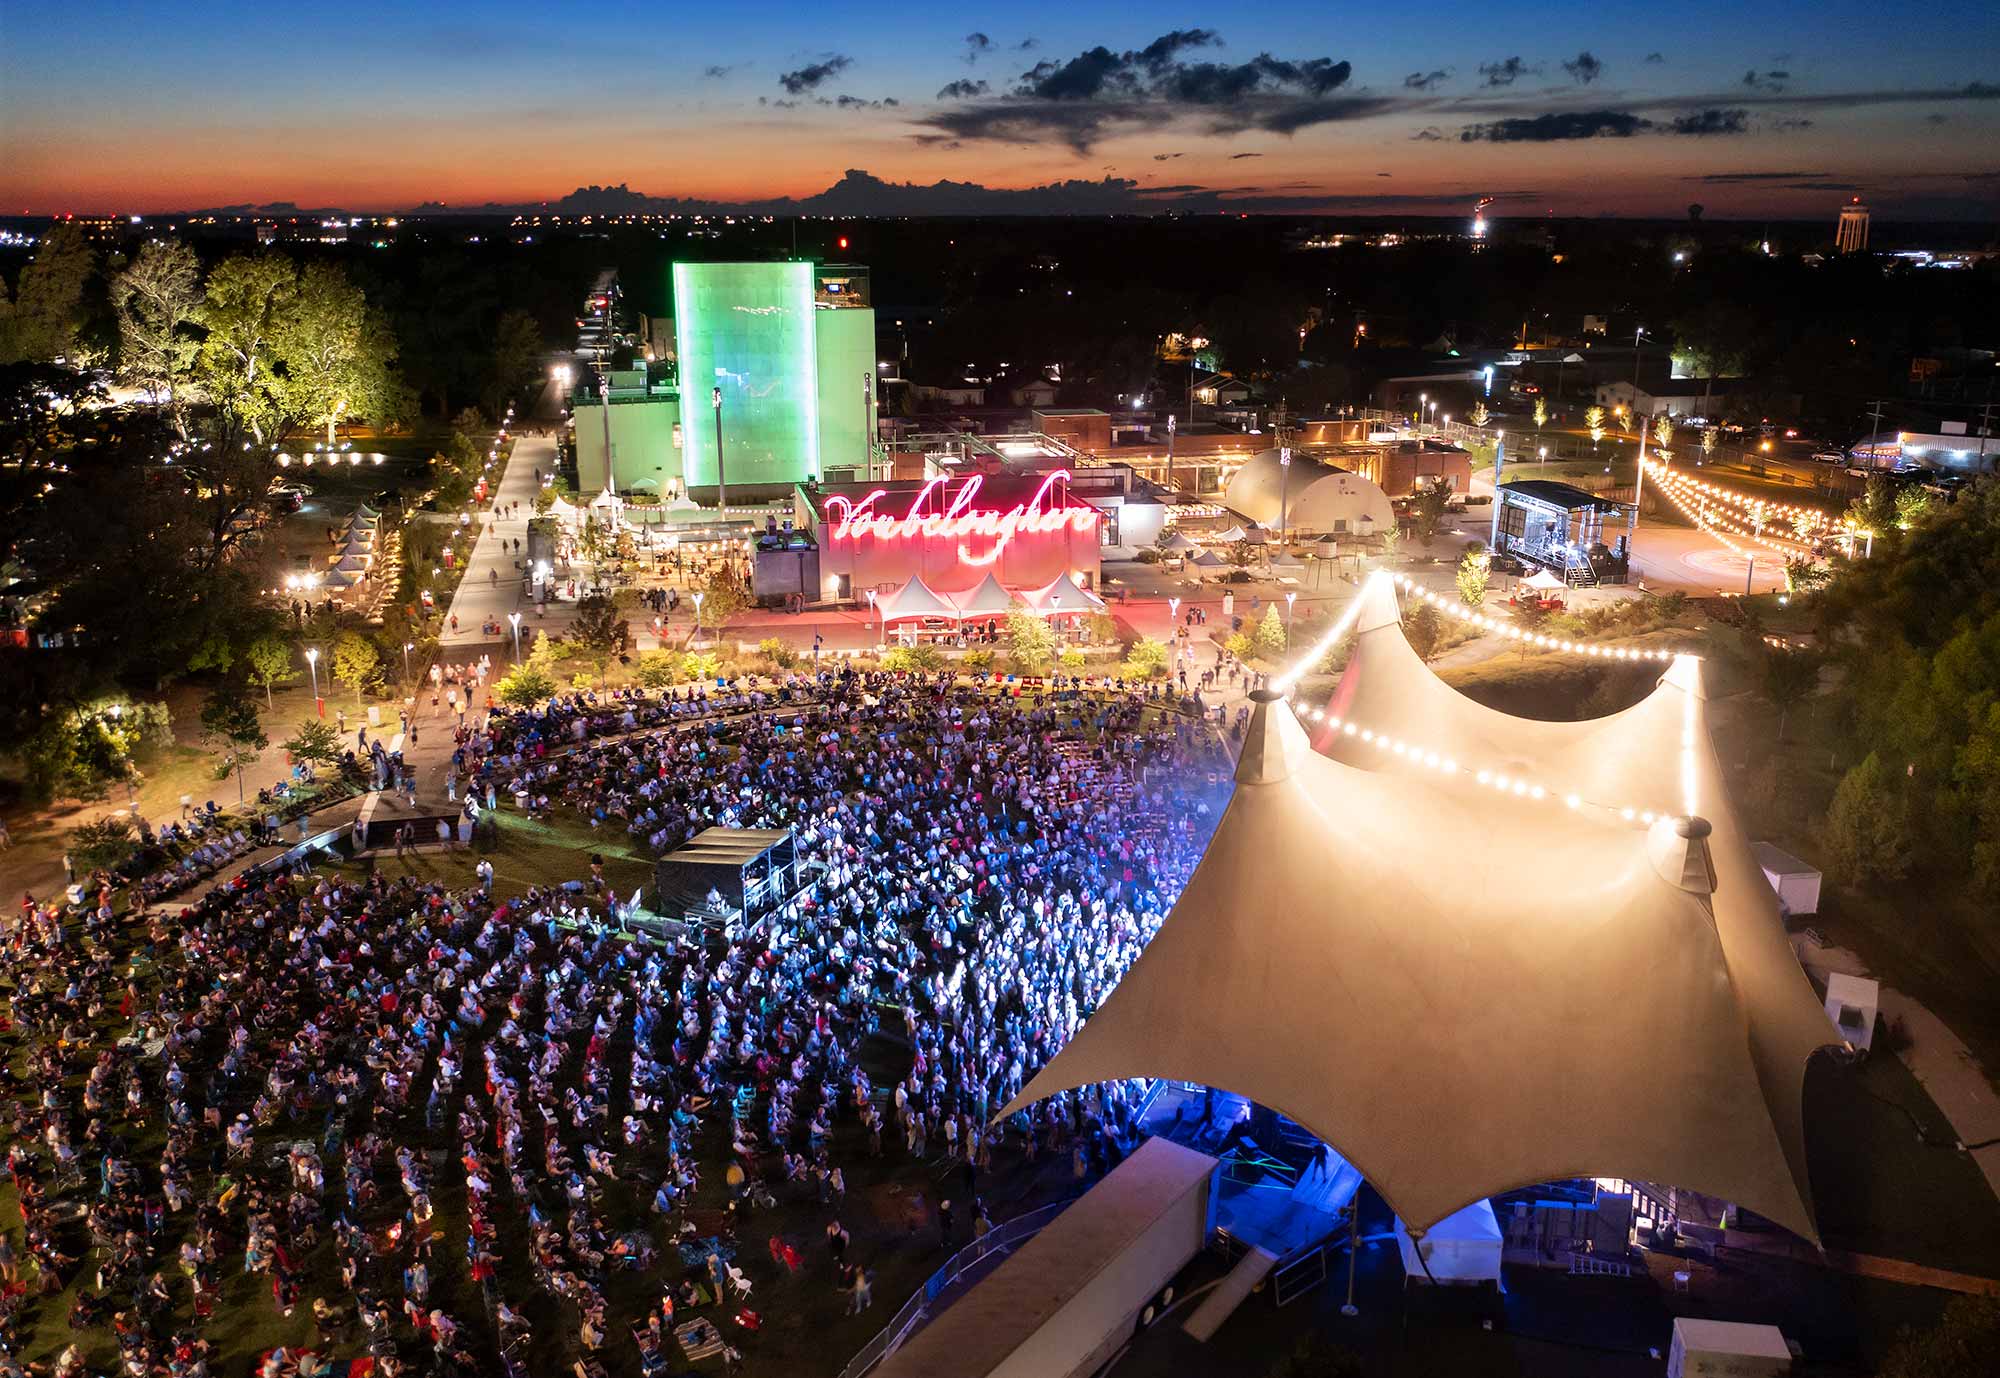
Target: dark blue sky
1780	108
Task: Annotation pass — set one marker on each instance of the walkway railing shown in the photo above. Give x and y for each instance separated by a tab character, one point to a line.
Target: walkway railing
998	1241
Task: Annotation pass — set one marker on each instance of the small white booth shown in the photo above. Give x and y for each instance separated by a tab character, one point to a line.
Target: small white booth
1852	1002
1727	1349
1796	882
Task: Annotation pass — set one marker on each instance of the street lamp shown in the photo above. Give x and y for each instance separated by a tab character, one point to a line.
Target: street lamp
1174	612
514	618
312	664
1290	599
721	482
1423	400
881	634
408	646
1284	489
697	619
1170	452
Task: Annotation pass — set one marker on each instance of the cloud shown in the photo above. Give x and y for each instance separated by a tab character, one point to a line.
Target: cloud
1773	81
1428	135
1786	124
1557	126
1235	157
1505	72
1163	157
1935	118
961	90
1423	81
976	44
1823	186
721	70
1385	174
858	103
1099	92
1585	68
1027	45
1654	59
1721	179
809	77
1703	122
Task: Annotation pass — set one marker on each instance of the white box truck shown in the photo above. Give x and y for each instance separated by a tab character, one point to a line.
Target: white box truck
1727	1349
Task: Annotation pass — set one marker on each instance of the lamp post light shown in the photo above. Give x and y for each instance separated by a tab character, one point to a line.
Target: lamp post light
1174	615
1290	599
1170	452
312	664
408	646
881	631
1284	490
721	481
514	618
1423	400
697	620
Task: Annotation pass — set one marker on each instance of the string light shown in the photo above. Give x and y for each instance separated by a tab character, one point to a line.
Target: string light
1667	473
1541	640
1755	522
1500	782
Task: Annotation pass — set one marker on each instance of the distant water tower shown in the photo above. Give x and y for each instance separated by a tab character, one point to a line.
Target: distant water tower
1851	235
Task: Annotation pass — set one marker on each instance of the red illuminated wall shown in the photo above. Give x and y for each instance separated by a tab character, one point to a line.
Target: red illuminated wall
881	552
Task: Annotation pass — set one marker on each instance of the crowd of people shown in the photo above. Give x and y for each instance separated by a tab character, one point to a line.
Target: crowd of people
468	1133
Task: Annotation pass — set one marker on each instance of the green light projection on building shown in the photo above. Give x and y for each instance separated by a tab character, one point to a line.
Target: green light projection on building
747	328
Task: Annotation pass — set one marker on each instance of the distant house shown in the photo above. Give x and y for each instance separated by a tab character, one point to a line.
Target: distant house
1674	396
1032	392
950	392
1221	390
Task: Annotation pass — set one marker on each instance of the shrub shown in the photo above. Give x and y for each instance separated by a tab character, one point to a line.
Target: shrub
1148	659
1239	645
525	686
924	660
779	651
1030	642
702	667
1868	832
1072	659
979	662
661	669
105	843
1148	556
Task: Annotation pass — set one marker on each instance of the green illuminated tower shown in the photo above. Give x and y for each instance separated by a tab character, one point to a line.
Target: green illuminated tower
747	329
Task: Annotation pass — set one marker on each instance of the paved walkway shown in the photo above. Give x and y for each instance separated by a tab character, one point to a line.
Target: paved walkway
1951	1076
492	586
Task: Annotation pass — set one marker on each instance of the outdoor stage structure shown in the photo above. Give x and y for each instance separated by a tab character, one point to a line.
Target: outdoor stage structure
951	532
726	875
1473	952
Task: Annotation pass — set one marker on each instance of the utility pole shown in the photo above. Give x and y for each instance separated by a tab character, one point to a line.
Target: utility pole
1874	431
1170	452
721	483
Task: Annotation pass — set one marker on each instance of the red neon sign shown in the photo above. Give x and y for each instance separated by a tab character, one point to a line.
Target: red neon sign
959	520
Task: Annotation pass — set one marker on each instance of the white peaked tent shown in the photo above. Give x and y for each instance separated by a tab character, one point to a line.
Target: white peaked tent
352	563
1208	559
1174	540
1075	598
1286	560
914	599
1464	1247
1541	581
1466	987
989	599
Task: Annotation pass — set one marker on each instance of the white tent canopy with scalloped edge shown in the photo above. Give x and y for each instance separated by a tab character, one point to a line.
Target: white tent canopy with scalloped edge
1062	598
1474	952
914	599
988	599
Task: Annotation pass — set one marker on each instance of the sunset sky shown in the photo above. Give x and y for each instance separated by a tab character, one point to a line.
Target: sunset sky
1772	109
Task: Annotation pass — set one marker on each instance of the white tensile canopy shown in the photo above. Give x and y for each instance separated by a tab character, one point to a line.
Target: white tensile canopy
1061	597
1474	952
914	599
1541	581
1233	533
341	578
1208	559
352	563
1174	540
989	599
1286	560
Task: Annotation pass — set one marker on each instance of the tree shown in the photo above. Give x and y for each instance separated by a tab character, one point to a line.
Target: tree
1663	433
230	727
245	313
1875	509
516	361
1424	630
267	662
1269	639
157	300
1868	833
722	598
77	753
355	660
1593	418
1965	1343
333	353
1480	415
46	322
1427	506
1789	679
1541	412
1474	572
314	741
1709	435
599	630
1913	504
1030	642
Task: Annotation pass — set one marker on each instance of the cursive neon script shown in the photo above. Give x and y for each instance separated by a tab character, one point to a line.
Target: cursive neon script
959	520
